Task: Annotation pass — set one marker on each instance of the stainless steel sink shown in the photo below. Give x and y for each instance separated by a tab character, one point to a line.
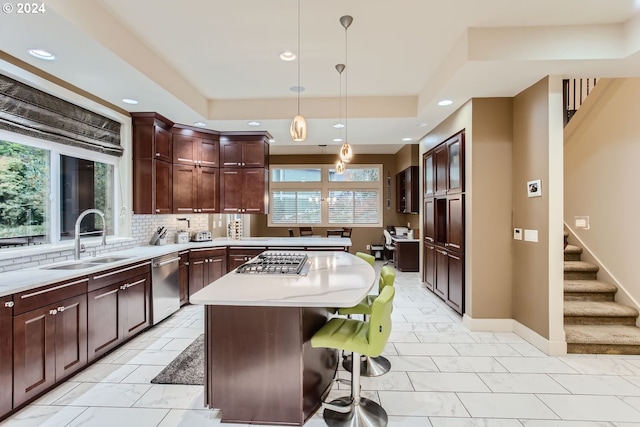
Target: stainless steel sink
107	259
75	266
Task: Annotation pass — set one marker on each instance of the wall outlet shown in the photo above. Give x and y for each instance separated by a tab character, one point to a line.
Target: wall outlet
368	247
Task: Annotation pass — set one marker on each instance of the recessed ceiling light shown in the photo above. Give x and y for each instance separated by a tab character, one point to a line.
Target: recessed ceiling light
445	102
254	123
407	139
129	101
287	55
272	140
41	54
200	124
338	125
296	88
422	125
337	140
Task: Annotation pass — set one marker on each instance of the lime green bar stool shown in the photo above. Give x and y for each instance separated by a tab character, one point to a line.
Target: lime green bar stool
369	258
359	337
370	366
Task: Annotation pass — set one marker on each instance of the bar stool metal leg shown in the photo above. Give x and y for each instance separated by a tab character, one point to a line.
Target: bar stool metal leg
364	412
369	366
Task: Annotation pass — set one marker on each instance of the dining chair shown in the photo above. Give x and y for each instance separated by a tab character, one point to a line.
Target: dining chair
334	232
346	232
306	231
291	234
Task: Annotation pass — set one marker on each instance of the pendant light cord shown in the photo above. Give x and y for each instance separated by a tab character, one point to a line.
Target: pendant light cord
299	57
346	91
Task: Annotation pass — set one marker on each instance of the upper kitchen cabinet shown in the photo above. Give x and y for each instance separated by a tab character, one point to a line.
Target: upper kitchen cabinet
152	167
195	148
244	191
444	167
244	150
407	190
455	163
428	178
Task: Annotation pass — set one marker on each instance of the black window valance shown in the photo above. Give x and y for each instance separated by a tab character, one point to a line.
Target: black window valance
29	111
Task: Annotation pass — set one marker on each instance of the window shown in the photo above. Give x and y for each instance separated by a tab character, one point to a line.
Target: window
45	186
317	195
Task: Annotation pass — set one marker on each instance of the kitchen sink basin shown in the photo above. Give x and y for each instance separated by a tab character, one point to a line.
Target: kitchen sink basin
75	266
108	259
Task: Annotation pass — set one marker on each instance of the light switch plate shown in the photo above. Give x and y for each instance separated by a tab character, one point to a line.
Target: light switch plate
531	235
582	222
517	233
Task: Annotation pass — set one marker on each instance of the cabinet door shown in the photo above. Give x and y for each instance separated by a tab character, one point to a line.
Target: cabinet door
455	222
208	186
185	187
230	153
455	296
231	190
441	285
428	177
217	268
104	329
185	149
197	274
209	153
163	187
429	220
253	154
455	167
253	190
400	193
236	260
183	274
34	364
135	305
411	189
441	168
71	336
6	355
429	265
162	144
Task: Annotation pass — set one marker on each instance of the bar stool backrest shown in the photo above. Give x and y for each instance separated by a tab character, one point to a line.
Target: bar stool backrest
369	258
380	321
387	277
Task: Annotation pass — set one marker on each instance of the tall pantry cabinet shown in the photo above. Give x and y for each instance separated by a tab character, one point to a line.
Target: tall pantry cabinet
443	217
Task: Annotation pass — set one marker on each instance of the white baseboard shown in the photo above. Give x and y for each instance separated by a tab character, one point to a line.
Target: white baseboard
552	348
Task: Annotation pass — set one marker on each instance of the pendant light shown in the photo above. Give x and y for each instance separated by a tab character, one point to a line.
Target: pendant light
346	153
298	129
340	166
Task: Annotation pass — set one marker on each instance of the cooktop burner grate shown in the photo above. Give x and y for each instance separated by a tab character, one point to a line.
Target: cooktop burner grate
276	263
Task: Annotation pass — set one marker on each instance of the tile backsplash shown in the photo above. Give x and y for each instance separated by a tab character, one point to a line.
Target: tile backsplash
142	228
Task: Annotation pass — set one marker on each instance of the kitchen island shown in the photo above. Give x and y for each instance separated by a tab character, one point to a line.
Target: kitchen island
260	367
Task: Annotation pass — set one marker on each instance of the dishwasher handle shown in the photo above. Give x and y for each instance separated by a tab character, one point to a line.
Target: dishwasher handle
169	261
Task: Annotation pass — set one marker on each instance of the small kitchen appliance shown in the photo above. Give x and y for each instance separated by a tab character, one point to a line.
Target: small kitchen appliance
201	236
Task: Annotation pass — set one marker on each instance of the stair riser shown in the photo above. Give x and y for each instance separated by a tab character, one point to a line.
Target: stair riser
571	257
577	348
588	296
593	320
580	275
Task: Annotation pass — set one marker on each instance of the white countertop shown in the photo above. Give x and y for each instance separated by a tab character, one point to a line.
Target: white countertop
335	279
403	239
20	280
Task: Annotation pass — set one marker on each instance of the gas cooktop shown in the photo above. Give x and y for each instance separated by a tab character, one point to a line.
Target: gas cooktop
277	262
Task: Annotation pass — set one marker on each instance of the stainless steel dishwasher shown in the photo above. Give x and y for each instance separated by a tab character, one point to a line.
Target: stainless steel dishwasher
165	286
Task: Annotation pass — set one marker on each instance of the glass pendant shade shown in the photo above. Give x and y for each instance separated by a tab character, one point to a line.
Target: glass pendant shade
298	129
346	153
340	167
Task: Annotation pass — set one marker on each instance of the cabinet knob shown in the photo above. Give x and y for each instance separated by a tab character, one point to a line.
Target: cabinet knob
157	154
53	311
61	309
157	210
9	304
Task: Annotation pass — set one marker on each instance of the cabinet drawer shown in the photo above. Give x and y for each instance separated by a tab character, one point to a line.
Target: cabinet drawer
44	295
118	274
207	253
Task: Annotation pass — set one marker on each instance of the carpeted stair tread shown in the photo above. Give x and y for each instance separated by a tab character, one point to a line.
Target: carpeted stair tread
598	309
589	286
580	266
603	335
571	249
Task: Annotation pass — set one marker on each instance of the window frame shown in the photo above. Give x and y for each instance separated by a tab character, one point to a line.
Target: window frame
325	186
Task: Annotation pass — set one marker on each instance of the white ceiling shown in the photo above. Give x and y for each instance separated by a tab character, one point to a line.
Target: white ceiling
217	61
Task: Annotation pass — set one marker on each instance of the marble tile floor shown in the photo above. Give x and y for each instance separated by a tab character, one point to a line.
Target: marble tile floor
442	375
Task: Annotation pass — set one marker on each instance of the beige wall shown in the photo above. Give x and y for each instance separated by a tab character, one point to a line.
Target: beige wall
361	236
537	150
601	180
489	201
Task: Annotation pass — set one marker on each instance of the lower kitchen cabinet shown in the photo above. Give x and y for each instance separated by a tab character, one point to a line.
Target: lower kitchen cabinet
406	256
183	275
50	343
205	266
117	312
429	264
238	256
6	355
449	278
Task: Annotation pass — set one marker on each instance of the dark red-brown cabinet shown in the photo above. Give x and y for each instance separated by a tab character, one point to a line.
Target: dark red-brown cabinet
195	148
6	355
195	189
49	337
183	275
244	190
206	266
245	150
407	200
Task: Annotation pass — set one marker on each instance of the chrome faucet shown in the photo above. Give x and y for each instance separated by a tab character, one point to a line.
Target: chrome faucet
79	248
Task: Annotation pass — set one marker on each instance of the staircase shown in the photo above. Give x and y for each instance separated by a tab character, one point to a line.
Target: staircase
593	322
